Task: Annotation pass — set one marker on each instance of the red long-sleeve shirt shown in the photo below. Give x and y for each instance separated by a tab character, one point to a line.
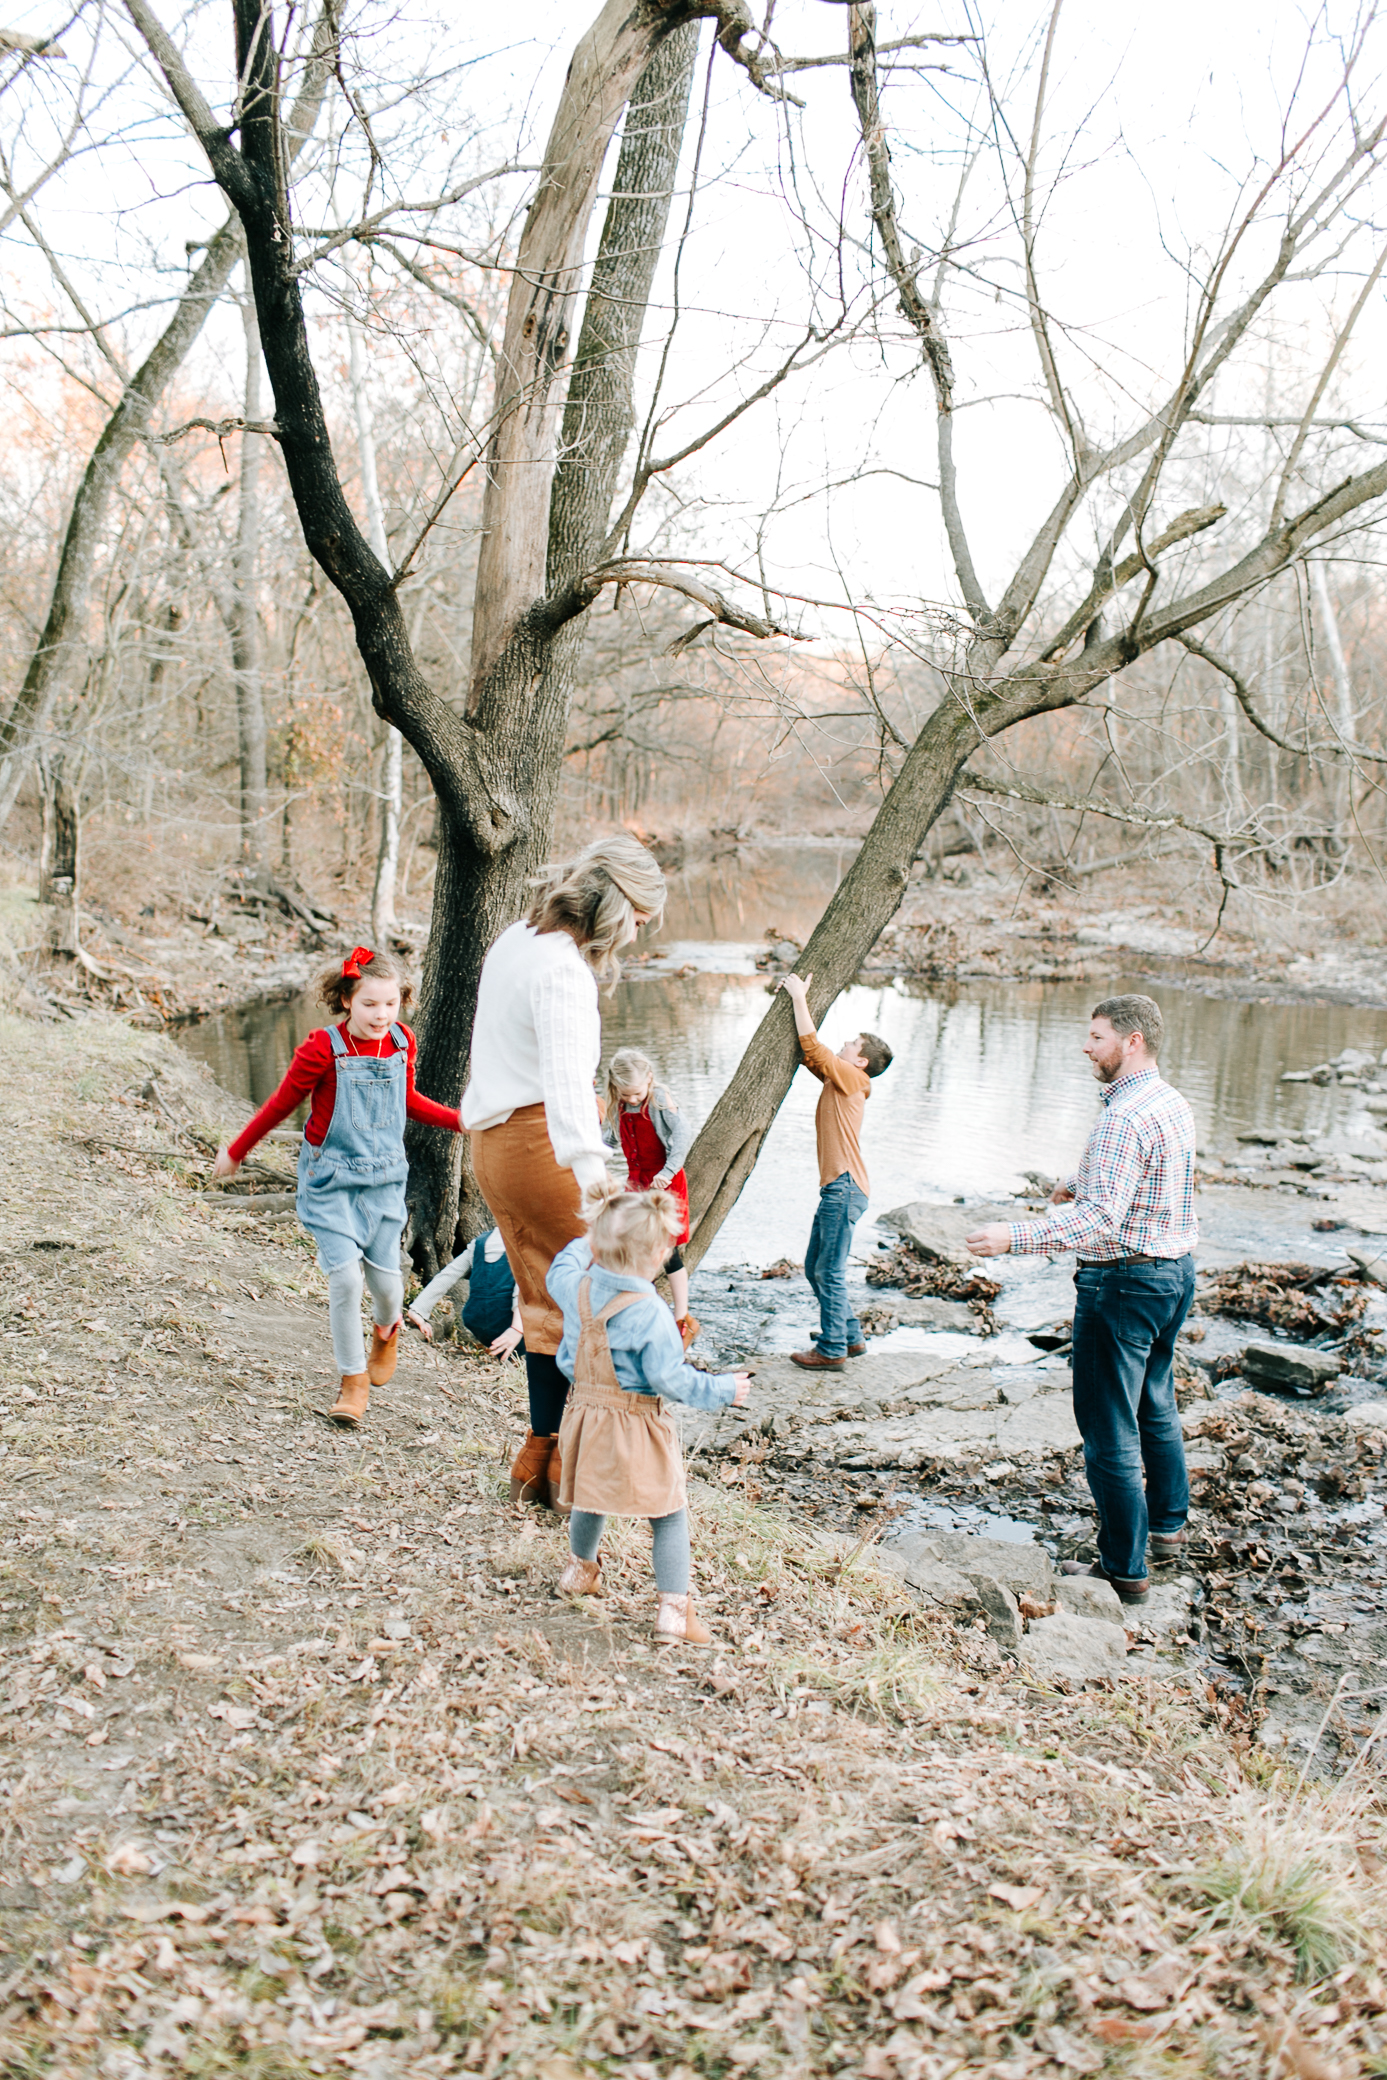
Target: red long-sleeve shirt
314	1069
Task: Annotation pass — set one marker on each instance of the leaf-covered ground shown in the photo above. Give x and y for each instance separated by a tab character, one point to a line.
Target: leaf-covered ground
306	1769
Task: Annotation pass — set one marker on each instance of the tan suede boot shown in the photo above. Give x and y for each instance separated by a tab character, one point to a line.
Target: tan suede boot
676	1624
385	1355
529	1477
350	1405
581	1578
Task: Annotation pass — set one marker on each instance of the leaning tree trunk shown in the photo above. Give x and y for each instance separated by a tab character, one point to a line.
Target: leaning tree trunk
392	764
477	895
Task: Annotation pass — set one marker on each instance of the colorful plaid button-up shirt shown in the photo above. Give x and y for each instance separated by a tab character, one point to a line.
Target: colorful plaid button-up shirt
1134	1189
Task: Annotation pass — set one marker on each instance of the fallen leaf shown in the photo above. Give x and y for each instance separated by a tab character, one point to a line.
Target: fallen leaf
308	1855
885	1937
130	1860
1067	2051
1119	2029
1157	1986
1018	1896
1289	2052
1035	1607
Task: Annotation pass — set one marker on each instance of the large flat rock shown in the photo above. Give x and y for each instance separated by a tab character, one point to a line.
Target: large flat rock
938	1231
1081	1650
1044	1423
1017	1567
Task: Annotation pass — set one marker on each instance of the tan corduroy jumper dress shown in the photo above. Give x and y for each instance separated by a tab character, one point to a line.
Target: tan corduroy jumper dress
620	1454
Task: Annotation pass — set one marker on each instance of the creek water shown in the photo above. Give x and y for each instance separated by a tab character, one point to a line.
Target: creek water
988	1080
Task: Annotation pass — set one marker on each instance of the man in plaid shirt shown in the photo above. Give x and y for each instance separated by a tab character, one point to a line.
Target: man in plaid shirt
1129	1213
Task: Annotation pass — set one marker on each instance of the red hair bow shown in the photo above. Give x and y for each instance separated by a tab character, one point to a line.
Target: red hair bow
352	965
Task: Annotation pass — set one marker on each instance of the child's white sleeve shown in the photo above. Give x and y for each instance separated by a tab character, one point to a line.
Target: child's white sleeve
461	1267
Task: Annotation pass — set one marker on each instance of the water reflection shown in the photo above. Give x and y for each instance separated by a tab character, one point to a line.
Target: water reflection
988	1081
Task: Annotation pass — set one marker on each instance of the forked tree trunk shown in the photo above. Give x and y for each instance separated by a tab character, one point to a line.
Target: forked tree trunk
475	895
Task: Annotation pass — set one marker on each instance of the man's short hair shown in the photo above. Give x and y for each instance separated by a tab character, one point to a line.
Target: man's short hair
1134	1015
875	1053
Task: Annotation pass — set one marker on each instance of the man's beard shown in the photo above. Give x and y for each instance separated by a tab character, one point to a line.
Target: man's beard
1108	1067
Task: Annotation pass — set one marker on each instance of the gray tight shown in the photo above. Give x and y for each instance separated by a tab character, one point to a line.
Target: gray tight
671	1545
344	1308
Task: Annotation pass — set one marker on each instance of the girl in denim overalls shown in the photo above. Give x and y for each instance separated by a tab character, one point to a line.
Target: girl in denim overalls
352	1168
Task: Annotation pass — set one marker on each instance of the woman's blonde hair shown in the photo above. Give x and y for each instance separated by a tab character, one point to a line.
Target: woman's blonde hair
596	897
628	1068
626	1228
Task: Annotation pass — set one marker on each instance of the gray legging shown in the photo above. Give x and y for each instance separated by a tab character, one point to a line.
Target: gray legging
671	1545
344	1308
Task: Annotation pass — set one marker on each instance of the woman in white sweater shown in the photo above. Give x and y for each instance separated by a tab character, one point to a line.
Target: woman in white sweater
530	1106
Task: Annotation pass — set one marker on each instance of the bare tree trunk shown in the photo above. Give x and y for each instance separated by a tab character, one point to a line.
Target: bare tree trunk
392	763
244	623
54	665
477	896
1345	714
60	859
59	658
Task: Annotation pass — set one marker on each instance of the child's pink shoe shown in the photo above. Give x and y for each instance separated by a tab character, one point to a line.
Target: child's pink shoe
676	1624
581	1578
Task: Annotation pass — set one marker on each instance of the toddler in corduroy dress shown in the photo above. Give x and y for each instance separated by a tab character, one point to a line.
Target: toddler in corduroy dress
624	1354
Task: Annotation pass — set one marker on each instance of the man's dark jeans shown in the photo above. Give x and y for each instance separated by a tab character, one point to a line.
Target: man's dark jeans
1126	1320
841	1206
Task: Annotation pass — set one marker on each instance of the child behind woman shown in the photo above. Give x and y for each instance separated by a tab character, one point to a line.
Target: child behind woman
654	1136
352	1169
623	1352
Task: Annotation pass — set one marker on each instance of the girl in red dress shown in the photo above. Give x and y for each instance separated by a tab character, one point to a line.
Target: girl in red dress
654	1136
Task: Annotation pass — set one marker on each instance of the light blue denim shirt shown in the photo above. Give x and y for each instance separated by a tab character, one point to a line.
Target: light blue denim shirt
647	1349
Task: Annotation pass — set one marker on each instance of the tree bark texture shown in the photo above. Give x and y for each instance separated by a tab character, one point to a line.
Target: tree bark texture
244	624
392	763
526	704
60	859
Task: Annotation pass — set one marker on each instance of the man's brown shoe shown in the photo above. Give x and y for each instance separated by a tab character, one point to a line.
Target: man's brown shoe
385	1355
1165	1546
813	1360
529	1477
1130	1589
857	1350
352	1396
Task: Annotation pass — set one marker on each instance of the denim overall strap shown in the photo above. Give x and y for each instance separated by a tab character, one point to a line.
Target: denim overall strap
365	1137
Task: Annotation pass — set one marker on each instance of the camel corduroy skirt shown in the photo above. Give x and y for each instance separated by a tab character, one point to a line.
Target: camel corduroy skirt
535	1204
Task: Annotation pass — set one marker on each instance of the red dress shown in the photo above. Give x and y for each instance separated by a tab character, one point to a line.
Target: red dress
645	1159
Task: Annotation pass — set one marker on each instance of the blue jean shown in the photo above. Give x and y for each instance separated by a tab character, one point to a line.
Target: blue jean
841	1206
1126	1320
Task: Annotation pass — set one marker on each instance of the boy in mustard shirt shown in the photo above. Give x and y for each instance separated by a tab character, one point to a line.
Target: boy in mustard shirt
843	1185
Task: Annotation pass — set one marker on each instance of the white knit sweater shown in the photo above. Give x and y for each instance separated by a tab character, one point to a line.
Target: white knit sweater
537	1040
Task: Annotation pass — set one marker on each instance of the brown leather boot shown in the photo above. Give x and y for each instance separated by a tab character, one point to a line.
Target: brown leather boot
553	1479
581	1578
352	1396
677	1625
688	1326
529	1477
385	1355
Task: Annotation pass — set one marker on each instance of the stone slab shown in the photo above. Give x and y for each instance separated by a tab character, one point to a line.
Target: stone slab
1044	1423
1286	1365
1082	1650
1084	1597
1371	1262
1368	1415
1016	1567
938	1231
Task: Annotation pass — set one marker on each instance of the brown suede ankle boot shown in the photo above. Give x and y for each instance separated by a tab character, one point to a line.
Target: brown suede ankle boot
385	1355
352	1396
581	1578
529	1477
688	1326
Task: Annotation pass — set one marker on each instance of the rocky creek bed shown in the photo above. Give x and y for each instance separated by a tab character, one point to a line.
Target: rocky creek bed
305	1768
